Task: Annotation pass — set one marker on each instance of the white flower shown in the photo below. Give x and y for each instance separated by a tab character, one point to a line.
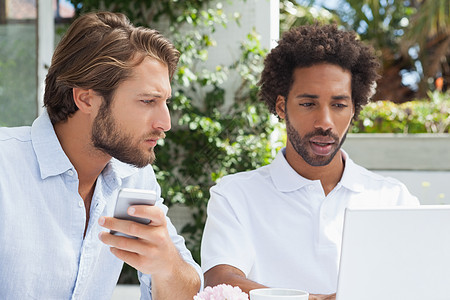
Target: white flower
221	292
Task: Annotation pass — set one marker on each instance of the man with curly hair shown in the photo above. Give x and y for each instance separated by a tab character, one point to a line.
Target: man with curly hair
281	225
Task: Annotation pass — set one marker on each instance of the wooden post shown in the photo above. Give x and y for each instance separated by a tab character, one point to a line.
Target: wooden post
2	11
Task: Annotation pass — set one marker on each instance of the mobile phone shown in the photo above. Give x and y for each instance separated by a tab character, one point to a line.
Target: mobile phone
128	197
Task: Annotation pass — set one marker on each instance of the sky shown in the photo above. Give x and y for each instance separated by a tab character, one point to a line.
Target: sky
331	4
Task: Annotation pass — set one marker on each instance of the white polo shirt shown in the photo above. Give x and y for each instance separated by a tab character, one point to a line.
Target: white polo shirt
281	230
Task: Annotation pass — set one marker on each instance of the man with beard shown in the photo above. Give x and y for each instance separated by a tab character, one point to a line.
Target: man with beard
106	97
281	225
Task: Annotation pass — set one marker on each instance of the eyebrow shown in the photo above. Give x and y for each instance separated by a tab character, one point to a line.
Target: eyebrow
152	95
307	96
341	97
312	96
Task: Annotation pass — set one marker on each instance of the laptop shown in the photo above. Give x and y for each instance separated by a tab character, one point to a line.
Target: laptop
395	253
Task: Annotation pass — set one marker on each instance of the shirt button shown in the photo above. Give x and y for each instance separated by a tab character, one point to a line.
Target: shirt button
81	203
70	172
310	187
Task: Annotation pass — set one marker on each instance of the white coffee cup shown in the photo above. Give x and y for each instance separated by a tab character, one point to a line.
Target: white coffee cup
278	293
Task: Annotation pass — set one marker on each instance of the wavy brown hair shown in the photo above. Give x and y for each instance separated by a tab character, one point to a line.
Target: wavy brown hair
306	46
99	52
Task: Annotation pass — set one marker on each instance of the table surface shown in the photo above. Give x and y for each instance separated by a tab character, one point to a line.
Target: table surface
126	291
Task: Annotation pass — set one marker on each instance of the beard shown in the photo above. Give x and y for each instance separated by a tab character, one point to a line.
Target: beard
107	137
302	144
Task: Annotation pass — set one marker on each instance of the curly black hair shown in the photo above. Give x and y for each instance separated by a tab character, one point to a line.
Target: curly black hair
309	45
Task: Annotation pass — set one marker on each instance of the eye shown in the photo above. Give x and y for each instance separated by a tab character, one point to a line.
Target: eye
148	101
306	104
340	105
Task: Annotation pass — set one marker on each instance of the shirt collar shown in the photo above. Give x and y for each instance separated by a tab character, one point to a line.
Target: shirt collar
286	179
115	171
53	160
50	156
351	178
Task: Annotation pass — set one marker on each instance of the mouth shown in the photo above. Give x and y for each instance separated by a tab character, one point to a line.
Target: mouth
321	145
152	140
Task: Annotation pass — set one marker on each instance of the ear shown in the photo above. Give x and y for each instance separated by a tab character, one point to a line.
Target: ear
280	107
85	100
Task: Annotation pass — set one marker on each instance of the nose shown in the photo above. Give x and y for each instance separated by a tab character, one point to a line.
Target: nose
323	119
162	118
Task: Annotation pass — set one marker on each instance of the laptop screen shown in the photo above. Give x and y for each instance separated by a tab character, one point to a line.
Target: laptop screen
395	253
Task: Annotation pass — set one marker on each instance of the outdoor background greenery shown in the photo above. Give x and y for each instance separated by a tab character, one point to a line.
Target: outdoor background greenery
429	115
17	62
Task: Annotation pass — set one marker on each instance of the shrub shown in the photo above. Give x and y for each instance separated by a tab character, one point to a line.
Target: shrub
418	116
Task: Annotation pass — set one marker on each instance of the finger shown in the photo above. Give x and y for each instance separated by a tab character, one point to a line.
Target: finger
130	258
147	234
135	246
130	228
135	260
154	213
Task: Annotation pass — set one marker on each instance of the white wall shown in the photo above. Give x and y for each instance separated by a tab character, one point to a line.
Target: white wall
259	15
431	187
420	161
46	41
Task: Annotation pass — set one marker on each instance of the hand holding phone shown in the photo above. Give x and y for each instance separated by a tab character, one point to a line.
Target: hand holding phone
128	197
153	251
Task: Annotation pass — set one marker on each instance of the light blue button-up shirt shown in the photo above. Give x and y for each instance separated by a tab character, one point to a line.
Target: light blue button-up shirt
43	254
